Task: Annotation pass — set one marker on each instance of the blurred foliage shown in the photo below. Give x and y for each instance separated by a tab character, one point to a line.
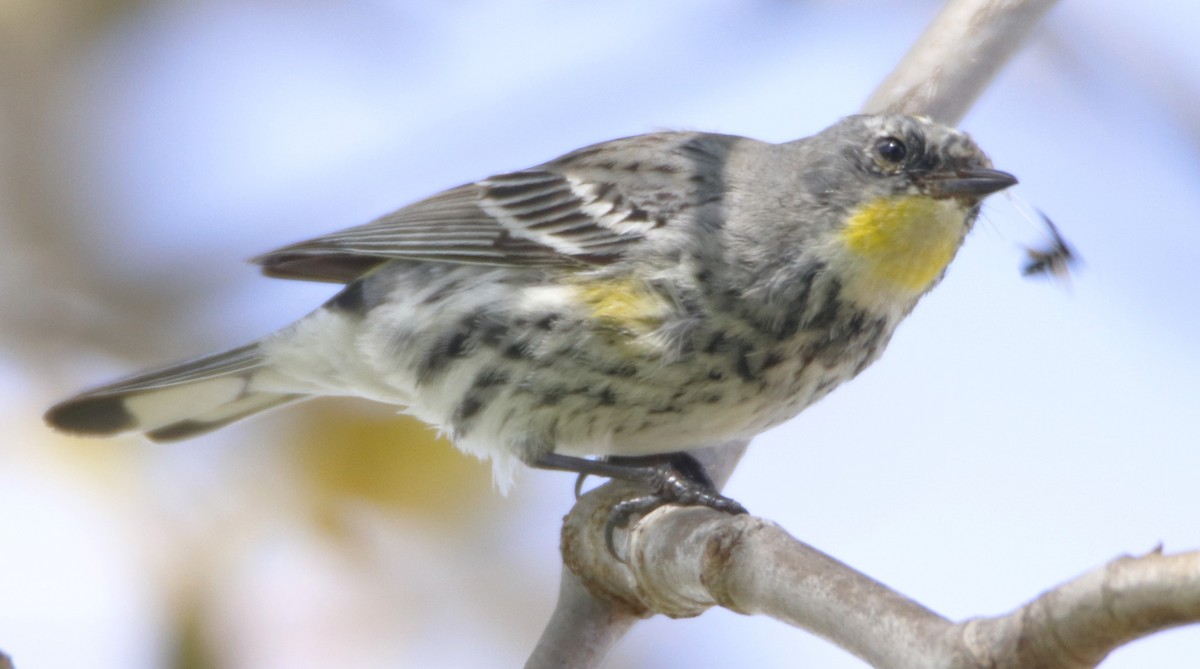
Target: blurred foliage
350	451
191	649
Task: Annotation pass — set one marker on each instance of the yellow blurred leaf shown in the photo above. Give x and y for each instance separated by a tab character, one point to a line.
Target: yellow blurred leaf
349	450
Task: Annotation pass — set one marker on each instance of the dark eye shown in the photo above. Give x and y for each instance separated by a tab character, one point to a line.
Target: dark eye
891	150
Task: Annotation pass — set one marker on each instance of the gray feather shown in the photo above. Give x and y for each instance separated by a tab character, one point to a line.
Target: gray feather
587	207
175	402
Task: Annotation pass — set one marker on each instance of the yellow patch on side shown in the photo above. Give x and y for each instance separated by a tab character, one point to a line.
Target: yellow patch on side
907	240
624	303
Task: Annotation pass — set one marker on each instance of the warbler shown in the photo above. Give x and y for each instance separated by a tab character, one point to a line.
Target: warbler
641	296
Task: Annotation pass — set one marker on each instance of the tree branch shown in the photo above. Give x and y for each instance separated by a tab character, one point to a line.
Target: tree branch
1079	623
682	561
956	58
583	628
587	623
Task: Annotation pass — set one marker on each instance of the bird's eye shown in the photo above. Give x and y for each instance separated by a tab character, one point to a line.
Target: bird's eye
891	150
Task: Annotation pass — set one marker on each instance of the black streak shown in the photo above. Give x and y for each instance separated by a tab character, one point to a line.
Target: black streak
743	365
607	397
552	395
468	408
350	299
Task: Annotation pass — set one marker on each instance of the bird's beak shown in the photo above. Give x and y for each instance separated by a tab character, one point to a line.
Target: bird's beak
975	183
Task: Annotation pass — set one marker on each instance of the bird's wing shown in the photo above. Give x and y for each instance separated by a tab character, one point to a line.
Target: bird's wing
587	207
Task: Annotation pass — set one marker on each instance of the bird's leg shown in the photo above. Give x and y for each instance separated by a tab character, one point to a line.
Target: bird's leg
673	478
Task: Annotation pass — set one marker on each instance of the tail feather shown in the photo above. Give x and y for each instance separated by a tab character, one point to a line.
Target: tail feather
175	402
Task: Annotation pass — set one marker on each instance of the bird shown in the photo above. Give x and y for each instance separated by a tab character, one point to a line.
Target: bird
607	310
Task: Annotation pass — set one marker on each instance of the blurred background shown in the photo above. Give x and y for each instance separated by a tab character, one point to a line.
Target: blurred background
1017	433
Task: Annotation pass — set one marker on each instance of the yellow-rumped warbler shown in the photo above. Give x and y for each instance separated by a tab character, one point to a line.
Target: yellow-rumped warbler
641	296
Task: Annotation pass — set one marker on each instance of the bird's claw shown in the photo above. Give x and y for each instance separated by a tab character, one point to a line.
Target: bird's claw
685	485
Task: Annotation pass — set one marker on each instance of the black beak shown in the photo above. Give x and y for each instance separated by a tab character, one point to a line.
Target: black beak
974	183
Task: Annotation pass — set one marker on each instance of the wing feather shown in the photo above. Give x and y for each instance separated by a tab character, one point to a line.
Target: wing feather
587	207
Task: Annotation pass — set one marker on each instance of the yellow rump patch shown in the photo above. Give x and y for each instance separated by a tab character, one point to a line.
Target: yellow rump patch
624	303
908	240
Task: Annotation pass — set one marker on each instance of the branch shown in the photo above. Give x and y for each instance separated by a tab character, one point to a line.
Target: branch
682	561
1078	623
585	626
956	58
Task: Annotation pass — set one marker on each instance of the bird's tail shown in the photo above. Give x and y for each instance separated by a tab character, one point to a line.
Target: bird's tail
175	402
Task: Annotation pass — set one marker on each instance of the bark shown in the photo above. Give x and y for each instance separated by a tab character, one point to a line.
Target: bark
681	561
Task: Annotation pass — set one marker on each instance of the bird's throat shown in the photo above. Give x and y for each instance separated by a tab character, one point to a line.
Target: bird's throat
906	241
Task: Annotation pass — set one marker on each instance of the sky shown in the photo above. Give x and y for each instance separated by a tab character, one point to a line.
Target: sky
1017	433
